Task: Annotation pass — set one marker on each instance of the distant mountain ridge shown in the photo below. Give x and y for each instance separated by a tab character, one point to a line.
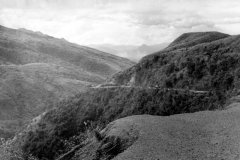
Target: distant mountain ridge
133	52
37	70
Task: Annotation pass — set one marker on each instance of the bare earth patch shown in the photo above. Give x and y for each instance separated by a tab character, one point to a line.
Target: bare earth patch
207	135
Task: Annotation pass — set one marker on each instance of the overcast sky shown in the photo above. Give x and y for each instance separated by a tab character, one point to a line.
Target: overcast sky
121	21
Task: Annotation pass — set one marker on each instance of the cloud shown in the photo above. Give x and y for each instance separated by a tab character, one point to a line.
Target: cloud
121	21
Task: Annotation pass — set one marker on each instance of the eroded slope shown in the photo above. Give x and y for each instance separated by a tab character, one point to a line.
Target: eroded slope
210	135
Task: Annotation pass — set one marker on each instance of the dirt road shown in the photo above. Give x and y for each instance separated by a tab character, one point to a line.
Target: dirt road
138	87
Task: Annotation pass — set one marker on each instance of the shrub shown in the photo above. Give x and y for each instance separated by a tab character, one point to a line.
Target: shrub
10	150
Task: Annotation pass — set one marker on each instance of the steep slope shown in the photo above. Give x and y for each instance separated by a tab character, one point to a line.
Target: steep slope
37	70
209	65
208	135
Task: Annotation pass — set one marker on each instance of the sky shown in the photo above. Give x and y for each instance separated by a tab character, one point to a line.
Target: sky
121	22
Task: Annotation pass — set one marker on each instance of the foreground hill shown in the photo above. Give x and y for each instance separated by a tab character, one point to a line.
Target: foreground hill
208	135
37	70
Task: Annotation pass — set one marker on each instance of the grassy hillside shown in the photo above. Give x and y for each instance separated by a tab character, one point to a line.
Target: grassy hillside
24	46
38	70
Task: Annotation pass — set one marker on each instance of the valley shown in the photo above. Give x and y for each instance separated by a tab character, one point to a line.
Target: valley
119	80
169	105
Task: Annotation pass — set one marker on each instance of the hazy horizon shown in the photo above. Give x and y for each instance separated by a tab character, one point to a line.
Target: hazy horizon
121	22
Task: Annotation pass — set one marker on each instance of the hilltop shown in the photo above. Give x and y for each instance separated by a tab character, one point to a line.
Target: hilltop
196	38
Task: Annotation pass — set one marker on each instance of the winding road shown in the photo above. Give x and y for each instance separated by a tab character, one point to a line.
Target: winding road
138	87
